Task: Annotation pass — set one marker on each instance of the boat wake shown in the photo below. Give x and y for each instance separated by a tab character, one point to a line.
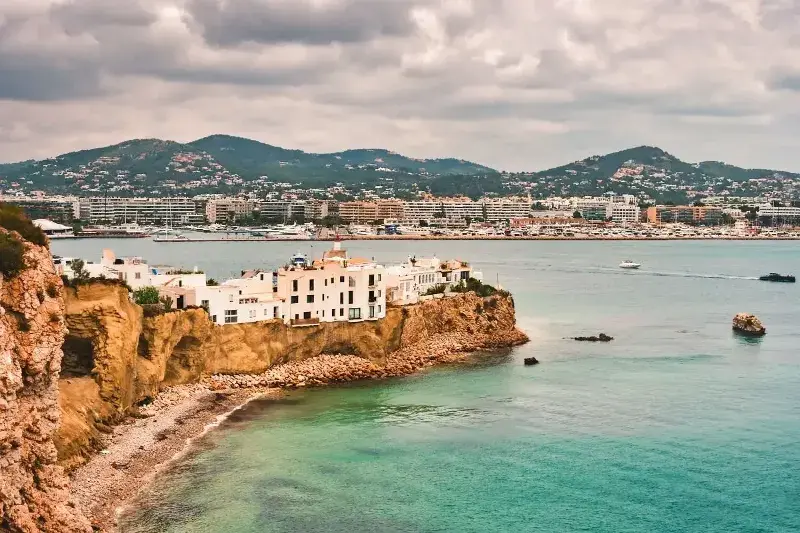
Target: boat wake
633	272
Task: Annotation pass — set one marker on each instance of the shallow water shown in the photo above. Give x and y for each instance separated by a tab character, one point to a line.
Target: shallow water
676	426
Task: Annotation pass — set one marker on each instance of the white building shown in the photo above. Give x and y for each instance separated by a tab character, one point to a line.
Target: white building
336	288
623	213
408	281
142	210
251	298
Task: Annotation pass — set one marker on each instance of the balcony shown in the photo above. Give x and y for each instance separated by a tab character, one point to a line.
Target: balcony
304	322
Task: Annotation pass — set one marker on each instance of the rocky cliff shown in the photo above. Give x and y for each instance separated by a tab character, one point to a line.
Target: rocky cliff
33	488
115	358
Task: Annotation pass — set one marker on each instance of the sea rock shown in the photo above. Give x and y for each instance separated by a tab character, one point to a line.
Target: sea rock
602	337
530	361
748	324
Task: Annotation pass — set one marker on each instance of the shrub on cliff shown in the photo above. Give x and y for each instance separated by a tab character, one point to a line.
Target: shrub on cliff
146	296
13	218
436	289
12	256
476	286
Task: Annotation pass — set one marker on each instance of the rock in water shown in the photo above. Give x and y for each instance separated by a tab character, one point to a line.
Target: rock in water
748	324
530	361
599	338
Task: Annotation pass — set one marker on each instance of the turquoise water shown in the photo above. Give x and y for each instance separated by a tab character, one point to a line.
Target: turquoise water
676	426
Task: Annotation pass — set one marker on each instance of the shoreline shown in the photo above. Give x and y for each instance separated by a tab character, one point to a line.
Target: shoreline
463	238
144	445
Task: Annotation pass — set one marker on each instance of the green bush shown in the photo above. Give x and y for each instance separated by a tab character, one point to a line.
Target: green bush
13	218
436	289
12	256
476	286
146	296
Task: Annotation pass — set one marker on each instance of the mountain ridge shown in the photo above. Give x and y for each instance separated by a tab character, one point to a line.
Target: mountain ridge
229	164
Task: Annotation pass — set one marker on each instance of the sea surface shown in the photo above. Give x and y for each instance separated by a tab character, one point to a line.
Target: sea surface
676	426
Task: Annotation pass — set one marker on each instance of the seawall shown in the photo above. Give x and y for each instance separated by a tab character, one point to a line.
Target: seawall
116	358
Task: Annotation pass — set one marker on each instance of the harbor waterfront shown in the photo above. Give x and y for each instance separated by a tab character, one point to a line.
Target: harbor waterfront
676	425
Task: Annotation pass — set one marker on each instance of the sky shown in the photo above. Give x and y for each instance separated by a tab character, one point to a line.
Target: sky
513	84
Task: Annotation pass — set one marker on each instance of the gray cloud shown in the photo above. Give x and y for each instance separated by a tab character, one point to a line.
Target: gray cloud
709	79
227	23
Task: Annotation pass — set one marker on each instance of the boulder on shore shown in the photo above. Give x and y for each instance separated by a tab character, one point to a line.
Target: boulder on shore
602	337
530	361
748	324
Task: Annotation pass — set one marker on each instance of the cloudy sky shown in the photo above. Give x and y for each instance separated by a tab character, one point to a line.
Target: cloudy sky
515	84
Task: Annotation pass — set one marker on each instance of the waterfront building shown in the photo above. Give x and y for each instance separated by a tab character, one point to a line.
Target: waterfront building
336	288
358	212
52	229
60	209
114	210
622	213
283	210
412	279
686	214
779	215
222	210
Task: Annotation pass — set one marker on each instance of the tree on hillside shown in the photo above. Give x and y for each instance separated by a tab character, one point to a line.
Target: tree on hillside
577	214
146	296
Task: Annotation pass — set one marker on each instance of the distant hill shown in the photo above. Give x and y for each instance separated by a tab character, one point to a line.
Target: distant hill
229	165
219	163
647	171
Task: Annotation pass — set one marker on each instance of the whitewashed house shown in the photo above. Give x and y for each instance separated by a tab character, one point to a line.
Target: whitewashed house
336	288
409	280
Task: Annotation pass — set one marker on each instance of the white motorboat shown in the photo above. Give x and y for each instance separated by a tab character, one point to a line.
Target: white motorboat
630	265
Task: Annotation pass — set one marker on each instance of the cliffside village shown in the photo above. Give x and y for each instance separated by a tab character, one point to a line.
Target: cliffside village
304	292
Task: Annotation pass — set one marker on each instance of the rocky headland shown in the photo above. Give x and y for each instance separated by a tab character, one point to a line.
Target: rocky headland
135	387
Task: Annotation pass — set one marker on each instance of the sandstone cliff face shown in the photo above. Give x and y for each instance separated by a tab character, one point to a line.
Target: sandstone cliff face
131	358
33	489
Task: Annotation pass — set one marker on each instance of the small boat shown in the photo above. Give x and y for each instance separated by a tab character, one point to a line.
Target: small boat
778	278
630	265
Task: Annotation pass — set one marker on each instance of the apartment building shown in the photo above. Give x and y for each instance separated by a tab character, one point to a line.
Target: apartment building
61	209
686	214
115	210
223	210
283	211
623	213
336	288
358	212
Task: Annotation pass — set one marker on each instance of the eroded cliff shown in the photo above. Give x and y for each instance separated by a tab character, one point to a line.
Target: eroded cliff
34	492
130	357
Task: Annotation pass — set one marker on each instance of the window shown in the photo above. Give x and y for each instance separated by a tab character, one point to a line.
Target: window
326	282
355	313
138	275
266	312
294	285
350	297
214	318
341	311
331	281
341	298
323	313
352	281
275	313
372	311
333	313
310	299
295	299
231	316
253	313
230	297
379	277
307	315
379	309
371	280
311	284
341	279
204	303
